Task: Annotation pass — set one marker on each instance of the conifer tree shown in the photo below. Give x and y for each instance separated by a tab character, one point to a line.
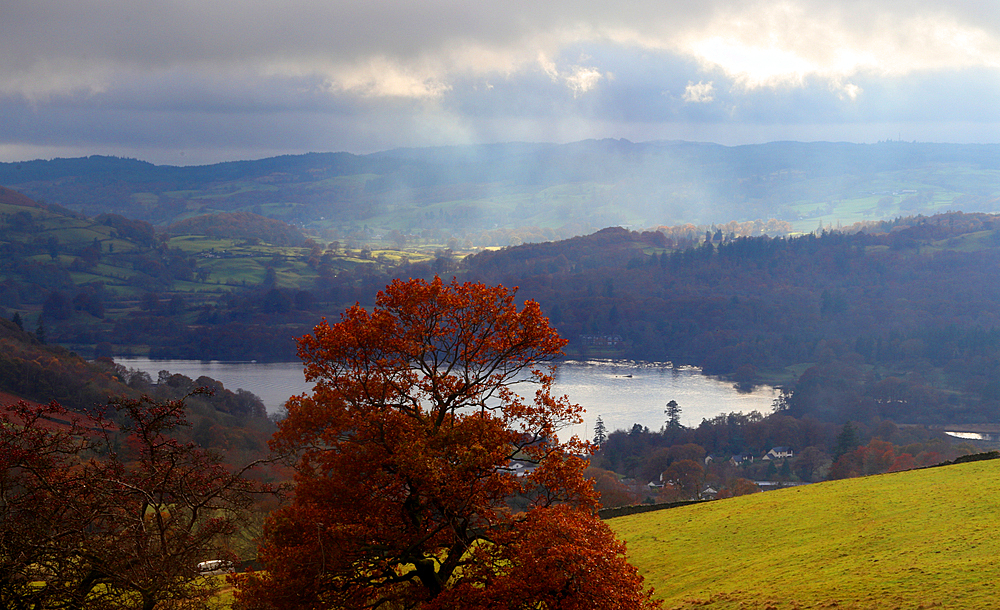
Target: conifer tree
847	441
600	432
673	412
40	330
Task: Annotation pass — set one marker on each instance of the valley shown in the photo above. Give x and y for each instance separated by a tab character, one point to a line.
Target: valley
866	301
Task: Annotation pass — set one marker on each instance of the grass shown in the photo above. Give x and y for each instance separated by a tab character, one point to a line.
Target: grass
199	243
917	539
848	199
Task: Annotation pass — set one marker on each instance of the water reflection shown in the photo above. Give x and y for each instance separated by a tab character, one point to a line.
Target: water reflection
621	392
273	382
624	393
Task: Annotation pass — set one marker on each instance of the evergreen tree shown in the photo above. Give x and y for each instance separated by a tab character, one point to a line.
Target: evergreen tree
673	412
772	470
847	441
40	331
17	320
600	432
785	472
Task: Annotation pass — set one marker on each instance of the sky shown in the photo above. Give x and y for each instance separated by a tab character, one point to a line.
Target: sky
184	82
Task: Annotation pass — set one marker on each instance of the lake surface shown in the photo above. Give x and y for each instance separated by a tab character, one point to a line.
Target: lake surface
621	392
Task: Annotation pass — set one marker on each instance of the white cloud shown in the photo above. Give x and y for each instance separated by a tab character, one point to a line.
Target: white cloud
581	80
548	66
850	91
783	44
700	93
751	66
381	77
49	46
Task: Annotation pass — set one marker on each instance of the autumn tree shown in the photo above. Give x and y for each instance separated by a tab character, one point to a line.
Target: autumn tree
102	515
686	476
739	487
612	491
875	458
173	505
40	481
403	477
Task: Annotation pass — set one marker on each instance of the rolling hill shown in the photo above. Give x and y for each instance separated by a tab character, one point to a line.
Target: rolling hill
917	539
892	320
471	192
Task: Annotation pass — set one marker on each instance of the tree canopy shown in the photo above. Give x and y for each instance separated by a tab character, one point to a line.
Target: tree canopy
407	490
109	515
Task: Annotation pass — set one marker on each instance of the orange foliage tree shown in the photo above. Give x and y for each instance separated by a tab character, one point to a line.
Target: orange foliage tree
611	490
99	516
403	476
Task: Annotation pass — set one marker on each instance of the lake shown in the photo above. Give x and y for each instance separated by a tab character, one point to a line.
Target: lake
621	392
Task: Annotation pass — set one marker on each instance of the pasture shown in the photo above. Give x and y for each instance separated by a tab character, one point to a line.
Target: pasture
917	539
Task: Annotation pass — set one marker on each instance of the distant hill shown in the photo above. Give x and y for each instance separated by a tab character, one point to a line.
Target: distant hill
477	192
240	225
916	539
111	284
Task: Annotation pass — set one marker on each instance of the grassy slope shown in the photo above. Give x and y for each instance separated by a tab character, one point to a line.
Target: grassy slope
916	539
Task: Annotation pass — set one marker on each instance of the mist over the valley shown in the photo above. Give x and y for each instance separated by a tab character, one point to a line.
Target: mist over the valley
504	194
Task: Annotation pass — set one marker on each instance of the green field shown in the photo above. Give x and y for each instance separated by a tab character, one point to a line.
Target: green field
918	539
845	200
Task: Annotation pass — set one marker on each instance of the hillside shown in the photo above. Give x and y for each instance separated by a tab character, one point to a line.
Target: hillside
230	420
94	283
917	539
13	198
489	194
240	225
895	321
42	373
889	320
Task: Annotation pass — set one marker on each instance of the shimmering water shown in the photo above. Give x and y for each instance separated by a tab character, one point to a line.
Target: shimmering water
621	392
624	393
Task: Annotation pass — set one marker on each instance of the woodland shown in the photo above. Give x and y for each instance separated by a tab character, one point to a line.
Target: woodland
892	320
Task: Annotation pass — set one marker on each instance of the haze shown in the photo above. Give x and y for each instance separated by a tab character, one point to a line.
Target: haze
181	82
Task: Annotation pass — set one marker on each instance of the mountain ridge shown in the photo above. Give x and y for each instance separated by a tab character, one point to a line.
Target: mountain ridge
470	189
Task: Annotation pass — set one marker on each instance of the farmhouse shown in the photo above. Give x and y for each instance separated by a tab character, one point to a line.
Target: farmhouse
740	459
521	468
778	453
